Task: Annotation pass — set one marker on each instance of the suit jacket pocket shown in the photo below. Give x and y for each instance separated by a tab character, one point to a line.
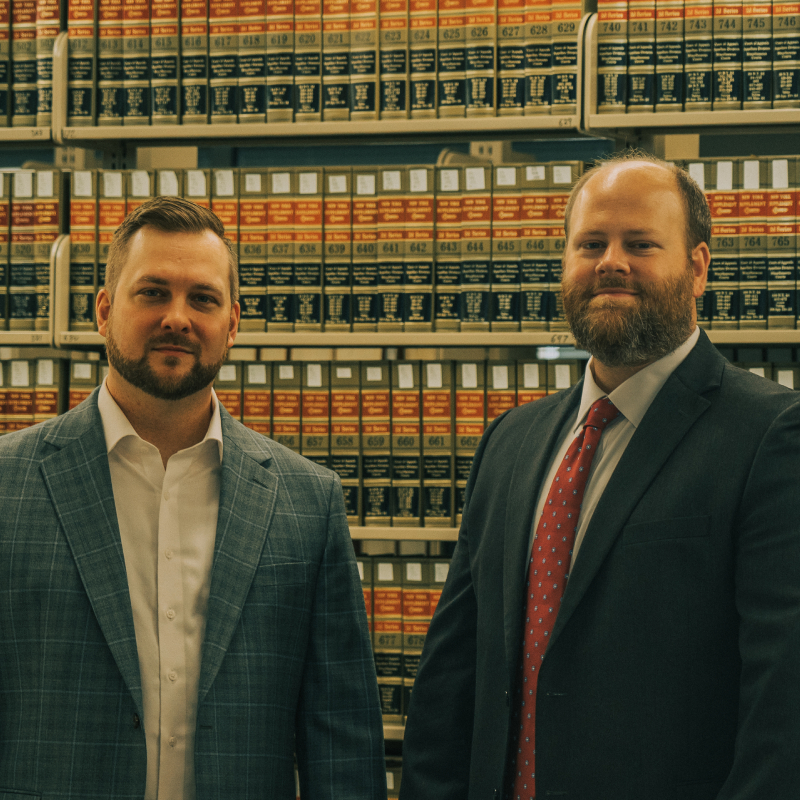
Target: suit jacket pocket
286	574
666	529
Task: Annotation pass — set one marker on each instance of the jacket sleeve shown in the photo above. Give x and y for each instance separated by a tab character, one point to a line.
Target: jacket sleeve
339	742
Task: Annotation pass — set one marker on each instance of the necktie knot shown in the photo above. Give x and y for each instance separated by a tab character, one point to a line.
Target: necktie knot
601	414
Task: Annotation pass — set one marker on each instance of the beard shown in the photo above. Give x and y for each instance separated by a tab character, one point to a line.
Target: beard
657	322
139	373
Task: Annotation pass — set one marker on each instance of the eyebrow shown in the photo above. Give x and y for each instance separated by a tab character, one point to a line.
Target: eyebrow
630	232
203	287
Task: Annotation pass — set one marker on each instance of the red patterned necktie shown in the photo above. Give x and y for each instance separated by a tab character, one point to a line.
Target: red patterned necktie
547	577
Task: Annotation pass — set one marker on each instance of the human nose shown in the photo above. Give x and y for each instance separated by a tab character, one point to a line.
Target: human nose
176	316
613	261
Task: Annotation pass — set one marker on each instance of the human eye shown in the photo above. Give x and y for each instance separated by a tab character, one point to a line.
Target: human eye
205	299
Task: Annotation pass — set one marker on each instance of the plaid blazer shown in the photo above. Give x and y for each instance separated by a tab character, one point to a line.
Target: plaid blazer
287	667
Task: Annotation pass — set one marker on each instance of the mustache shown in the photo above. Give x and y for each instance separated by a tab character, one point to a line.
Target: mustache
614	283
174	340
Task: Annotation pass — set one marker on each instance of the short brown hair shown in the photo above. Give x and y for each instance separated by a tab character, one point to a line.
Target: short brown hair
170	215
695	205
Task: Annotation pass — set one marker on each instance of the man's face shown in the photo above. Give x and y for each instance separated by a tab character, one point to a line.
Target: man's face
171	322
628	283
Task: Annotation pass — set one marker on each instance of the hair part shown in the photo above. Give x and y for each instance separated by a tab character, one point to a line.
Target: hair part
169	215
695	205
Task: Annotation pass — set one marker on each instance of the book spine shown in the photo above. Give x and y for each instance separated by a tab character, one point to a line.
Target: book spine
364	565
376	442
757	55
338	249
46	394
194	62
280	251
139	190
308	251
469	423
346	435
81	56
641	55
280	69
307	60
364	35
531	381
286	391
223	59
422	58
670	55
406	467
786	55
447	276
437	443
535	264
48	26
335	60
562	375
83	380
481	57
19	395
727	69
165	61
538	57
612	56
510	58
416	619
197	186
564	29
365	249
252	54
562	177
111	211
109	63
5	61
228	388
388	636
225	203
46	228
782	243
393	41
451	75
23	63
476	249
253	249
391	247
4	368
501	389
316	424
5	219
753	229
169	183
136	109
698	43
419	250
22	270
506	249
257	397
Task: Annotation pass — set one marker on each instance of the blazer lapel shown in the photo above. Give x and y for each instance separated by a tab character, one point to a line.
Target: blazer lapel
246	503
79	481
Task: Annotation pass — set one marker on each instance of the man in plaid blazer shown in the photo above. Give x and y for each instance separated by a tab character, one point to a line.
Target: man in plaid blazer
281	671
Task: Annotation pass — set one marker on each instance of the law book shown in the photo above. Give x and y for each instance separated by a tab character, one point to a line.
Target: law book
225	202
164	61
476	249
612	56
136	72
470	417
727	68
422	58
782	192
481	54
81	56
253	249
111	211
83	249
287	382
228	388
5	61
307	60
757	55
280	72
535	244
451	75
417	586
406	459
83	380
786	55
22	264
19	395
48	26
531	381
110	43
562	177
346	434
753	247
169	183
315	441
501	388
365	248
253	56
364	52
140	186
437	443
280	249
393	50
505	287
4	378
787	375
418	274
562	374
194	62
5	241
47	225
23	63
447	273
338	248
510	58
364	566
538	57
46	392
566	19
335	60
308	250
641	55
223	59
392	192
197	186
257	397
698	43
388	635
376	442
670	55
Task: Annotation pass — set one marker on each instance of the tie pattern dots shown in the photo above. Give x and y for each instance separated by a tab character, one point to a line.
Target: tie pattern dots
548	573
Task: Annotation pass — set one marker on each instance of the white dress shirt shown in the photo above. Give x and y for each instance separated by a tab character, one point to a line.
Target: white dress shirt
167	521
632	398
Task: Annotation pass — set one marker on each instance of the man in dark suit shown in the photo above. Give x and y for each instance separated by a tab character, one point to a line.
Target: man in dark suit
181	615
669	666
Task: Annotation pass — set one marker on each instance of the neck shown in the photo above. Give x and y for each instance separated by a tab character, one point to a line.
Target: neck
169	425
609	378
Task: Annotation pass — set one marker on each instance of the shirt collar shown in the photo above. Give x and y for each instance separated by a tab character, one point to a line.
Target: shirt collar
117	427
634	396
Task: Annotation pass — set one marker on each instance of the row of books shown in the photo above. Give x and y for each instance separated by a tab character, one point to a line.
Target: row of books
697	55
220	61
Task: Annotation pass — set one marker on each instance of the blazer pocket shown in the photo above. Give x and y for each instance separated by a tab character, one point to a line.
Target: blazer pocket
666	529
295	572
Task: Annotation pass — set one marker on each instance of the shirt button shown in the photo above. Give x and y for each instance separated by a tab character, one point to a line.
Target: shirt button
172	741
173	676
170	614
169	553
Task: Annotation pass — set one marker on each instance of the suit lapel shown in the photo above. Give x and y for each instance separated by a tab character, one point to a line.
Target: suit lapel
246	503
78	479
